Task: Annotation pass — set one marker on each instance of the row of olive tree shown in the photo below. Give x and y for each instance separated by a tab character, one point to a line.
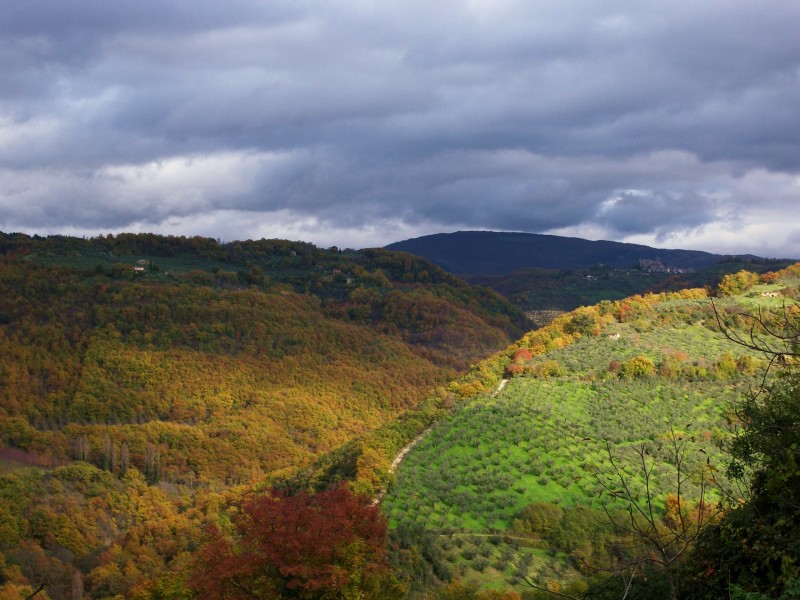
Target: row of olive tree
740	543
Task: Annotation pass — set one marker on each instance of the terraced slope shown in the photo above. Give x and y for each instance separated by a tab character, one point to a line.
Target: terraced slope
511	486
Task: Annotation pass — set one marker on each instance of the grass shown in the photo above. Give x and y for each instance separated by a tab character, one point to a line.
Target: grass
545	440
542	441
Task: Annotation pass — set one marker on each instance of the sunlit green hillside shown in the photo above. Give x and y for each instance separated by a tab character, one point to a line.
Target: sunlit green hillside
514	485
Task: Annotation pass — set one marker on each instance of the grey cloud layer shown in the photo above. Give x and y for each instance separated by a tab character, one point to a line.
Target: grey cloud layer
616	119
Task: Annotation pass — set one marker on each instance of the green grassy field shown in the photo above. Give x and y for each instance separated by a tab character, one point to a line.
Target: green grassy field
547	440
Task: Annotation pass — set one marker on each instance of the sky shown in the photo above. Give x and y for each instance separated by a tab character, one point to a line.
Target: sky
358	123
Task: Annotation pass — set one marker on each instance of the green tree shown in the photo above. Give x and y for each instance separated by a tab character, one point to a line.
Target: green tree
660	541
637	368
736	283
755	549
584	321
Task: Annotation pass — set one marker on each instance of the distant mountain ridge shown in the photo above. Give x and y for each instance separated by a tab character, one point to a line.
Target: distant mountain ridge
497	253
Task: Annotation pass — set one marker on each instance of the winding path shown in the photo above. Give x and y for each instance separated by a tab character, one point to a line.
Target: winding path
500	387
407	448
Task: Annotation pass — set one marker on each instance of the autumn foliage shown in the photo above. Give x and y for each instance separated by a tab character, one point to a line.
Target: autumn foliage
736	283
145	381
328	545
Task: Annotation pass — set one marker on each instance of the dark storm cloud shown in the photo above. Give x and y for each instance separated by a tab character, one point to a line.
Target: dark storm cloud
655	122
638	212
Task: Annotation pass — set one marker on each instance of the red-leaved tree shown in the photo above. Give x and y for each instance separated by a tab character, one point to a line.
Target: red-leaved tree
328	545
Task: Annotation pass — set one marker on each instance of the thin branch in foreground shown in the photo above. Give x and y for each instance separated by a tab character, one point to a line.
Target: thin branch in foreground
760	332
548	590
41	588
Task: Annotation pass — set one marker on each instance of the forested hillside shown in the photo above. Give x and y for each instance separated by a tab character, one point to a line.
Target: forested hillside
181	419
143	378
633	404
498	253
546	275
545	293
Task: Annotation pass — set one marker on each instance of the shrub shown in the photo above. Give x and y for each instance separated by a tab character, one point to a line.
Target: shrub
638	367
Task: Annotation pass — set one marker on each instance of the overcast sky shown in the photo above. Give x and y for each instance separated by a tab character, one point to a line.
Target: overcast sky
358	123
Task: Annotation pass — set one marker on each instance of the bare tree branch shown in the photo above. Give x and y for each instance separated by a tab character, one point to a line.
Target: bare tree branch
548	590
760	335
41	588
662	543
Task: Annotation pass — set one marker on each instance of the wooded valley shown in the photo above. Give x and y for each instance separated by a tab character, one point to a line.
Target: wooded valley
182	418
